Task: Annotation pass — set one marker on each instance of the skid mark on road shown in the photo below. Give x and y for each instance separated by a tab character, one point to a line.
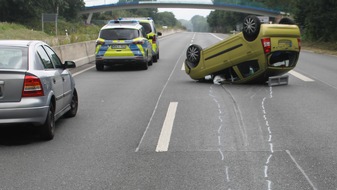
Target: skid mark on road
221	116
270	142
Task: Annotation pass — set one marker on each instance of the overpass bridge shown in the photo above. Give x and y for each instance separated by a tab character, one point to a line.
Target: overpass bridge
243	6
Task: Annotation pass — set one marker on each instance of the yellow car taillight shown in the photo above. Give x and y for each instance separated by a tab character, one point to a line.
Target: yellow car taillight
266	45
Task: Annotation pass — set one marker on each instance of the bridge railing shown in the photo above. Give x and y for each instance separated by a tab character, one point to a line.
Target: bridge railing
249	3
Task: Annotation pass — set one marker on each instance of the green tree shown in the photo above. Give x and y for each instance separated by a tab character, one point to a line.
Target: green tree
222	21
317	19
23	11
200	24
166	19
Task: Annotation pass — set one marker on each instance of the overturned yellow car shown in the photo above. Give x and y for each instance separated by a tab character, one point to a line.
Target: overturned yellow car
254	55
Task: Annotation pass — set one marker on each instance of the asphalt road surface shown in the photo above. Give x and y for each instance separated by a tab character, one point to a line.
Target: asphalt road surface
160	130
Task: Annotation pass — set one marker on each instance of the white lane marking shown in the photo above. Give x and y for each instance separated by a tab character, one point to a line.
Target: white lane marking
300	168
300	76
158	100
80	72
216	36
183	67
165	135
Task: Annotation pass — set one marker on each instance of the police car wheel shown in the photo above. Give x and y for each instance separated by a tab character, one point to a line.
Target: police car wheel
144	65
99	67
193	54
155	59
251	27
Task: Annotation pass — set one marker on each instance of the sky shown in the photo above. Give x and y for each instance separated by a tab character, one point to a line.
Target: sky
179	13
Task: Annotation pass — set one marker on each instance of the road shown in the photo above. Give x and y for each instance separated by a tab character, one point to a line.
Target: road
159	129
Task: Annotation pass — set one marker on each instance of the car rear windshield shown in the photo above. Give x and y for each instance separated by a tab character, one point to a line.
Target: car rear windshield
13	57
147	27
119	34
283	59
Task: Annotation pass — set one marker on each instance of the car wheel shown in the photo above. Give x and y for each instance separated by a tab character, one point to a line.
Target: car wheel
193	54
286	20
251	27
151	61
144	65
73	105
48	128
155	59
99	67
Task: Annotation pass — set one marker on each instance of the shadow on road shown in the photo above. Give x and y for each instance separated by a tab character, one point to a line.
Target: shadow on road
13	135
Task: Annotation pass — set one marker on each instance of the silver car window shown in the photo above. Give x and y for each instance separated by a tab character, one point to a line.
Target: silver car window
45	58
54	58
13	57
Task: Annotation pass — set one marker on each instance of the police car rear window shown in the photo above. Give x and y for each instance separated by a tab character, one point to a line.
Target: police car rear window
147	27
119	34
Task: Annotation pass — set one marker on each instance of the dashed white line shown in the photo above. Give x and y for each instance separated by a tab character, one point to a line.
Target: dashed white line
165	135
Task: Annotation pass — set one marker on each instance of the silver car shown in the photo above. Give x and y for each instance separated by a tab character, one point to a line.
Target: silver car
35	87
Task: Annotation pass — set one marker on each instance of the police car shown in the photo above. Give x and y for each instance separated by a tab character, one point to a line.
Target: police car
151	33
123	42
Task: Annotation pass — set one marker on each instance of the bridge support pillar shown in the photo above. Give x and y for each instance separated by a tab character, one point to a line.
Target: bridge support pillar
89	18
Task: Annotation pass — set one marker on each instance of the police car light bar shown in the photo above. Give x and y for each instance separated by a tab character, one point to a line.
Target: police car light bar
136	18
123	22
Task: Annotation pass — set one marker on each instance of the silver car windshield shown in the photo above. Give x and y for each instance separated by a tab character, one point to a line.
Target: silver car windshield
13	58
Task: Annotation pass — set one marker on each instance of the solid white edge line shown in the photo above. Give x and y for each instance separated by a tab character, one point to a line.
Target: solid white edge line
216	36
300	168
166	131
300	76
80	72
183	67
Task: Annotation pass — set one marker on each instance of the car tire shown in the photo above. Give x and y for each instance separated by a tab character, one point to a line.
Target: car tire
48	128
151	61
155	59
144	65
99	67
193	54
287	20
251	27
73	105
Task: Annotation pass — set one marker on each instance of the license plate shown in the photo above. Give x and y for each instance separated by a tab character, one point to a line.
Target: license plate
118	46
285	43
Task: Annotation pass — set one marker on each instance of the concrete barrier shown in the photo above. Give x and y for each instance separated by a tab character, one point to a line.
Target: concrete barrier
81	53
84	52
